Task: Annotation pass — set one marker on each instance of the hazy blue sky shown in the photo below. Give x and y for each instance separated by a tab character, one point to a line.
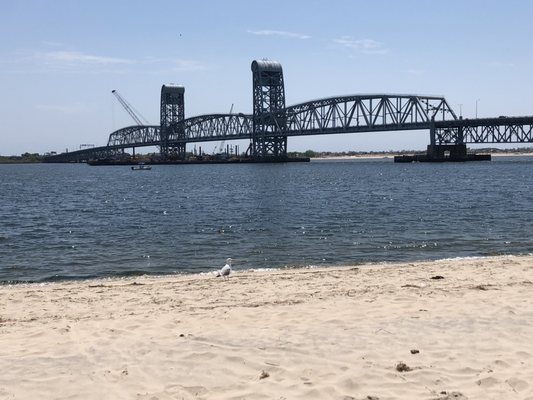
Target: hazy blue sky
60	59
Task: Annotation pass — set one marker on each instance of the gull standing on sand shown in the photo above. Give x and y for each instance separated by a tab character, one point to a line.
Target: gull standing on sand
226	269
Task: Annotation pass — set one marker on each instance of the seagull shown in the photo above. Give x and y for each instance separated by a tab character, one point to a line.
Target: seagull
226	269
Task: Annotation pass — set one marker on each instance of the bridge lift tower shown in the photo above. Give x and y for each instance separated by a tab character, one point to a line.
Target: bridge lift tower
269	120
171	126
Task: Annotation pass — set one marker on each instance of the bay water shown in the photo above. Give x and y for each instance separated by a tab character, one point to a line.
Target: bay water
74	221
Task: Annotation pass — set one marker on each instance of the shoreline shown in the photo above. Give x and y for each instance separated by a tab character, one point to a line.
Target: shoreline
445	329
237	271
392	155
352	157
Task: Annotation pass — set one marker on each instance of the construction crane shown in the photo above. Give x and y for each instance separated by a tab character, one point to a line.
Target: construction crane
136	115
221	148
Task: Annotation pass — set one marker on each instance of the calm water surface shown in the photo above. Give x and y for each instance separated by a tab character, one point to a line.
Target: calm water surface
76	221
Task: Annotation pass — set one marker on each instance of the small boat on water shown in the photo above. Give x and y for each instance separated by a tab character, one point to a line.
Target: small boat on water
141	167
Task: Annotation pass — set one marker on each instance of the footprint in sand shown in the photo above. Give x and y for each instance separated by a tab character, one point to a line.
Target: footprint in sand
518	385
488	382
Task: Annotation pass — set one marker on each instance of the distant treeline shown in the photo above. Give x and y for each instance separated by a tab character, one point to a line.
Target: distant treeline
37	158
23	158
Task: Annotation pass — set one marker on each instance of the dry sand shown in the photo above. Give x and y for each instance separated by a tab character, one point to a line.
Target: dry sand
338	333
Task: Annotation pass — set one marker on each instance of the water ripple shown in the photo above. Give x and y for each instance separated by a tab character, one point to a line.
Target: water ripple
63	222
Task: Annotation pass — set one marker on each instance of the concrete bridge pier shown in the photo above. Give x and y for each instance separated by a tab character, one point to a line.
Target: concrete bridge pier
442	151
449	147
455	151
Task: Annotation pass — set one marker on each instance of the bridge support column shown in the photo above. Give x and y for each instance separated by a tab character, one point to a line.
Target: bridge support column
269	122
172	140
453	151
447	151
432	134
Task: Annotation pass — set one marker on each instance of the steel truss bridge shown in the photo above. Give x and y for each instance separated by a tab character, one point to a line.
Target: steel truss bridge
272	122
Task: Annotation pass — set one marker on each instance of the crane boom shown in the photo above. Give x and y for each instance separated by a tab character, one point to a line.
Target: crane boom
130	110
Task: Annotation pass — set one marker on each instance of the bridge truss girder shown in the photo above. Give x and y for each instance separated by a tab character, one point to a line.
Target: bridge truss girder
85	155
365	114
344	114
136	135
485	130
217	127
197	129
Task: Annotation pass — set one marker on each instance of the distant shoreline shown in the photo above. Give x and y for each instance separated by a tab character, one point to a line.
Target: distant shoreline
362	156
355	157
392	155
512	154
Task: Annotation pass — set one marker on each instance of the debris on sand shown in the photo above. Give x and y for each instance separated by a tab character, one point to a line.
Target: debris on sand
451	396
403	367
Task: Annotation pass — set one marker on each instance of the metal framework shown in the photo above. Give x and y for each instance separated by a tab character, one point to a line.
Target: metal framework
218	127
134	114
484	130
202	128
85	155
134	136
172	116
271	122
268	140
326	116
329	116
365	113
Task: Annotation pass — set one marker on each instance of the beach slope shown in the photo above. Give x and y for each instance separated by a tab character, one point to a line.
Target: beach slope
450	329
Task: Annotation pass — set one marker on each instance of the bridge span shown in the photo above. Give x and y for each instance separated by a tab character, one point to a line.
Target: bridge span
272	122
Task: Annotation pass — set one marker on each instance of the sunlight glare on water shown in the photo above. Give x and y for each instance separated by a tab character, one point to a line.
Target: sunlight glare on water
76	221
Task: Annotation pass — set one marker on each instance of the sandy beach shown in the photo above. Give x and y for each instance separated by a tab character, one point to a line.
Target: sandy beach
450	329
